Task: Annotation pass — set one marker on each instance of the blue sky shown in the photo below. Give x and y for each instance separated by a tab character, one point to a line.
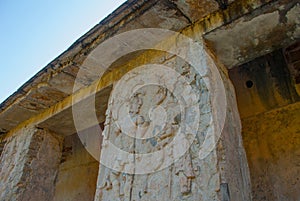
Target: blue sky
34	32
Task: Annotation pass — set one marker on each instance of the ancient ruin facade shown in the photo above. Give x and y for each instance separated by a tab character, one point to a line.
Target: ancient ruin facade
163	100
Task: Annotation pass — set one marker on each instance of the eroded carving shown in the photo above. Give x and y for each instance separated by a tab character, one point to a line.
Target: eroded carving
184	169
155	119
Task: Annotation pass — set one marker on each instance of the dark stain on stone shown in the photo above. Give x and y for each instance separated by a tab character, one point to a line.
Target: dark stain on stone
292	55
270	75
2	132
266	78
225	192
223	4
66	153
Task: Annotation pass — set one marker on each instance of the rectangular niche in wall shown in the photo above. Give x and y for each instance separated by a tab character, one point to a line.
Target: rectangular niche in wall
270	109
78	172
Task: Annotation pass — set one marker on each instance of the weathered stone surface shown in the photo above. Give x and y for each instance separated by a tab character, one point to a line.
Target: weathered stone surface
189	178
195	10
127	17
12	116
65	118
37	100
292	54
2	143
171	183
258	34
269	106
75	55
64	82
27	166
53	84
164	15
272	143
263	84
232	159
223	175
77	175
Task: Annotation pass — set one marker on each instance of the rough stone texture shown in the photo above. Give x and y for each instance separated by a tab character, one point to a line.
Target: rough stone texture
272	143
164	15
162	184
223	175
66	125
195	10
292	54
77	175
263	84
57	78
232	159
2	143
55	82
256	34
189	178
270	118
28	165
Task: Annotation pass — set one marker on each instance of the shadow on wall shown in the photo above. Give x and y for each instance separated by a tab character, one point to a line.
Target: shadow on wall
270	109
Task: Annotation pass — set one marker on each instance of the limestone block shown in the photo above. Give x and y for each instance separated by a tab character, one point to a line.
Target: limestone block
29	164
150	119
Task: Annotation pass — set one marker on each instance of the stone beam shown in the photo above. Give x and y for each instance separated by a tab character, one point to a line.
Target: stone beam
54	83
276	25
211	26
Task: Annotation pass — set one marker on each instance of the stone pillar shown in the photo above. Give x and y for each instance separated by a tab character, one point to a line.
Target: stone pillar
232	161
29	165
153	116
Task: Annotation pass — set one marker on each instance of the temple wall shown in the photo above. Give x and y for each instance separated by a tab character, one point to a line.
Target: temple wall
77	175
222	175
268	102
27	166
233	163
272	144
36	165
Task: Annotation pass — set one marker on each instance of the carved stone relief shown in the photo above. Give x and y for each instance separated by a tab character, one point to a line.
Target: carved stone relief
156	115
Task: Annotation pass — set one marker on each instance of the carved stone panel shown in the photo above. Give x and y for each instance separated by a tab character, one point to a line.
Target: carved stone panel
156	118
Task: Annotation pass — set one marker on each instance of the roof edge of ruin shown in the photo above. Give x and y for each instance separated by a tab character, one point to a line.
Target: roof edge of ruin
113	19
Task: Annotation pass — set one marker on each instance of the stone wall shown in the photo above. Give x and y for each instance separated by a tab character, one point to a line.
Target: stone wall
30	159
272	143
29	164
292	55
222	175
77	174
232	161
269	105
